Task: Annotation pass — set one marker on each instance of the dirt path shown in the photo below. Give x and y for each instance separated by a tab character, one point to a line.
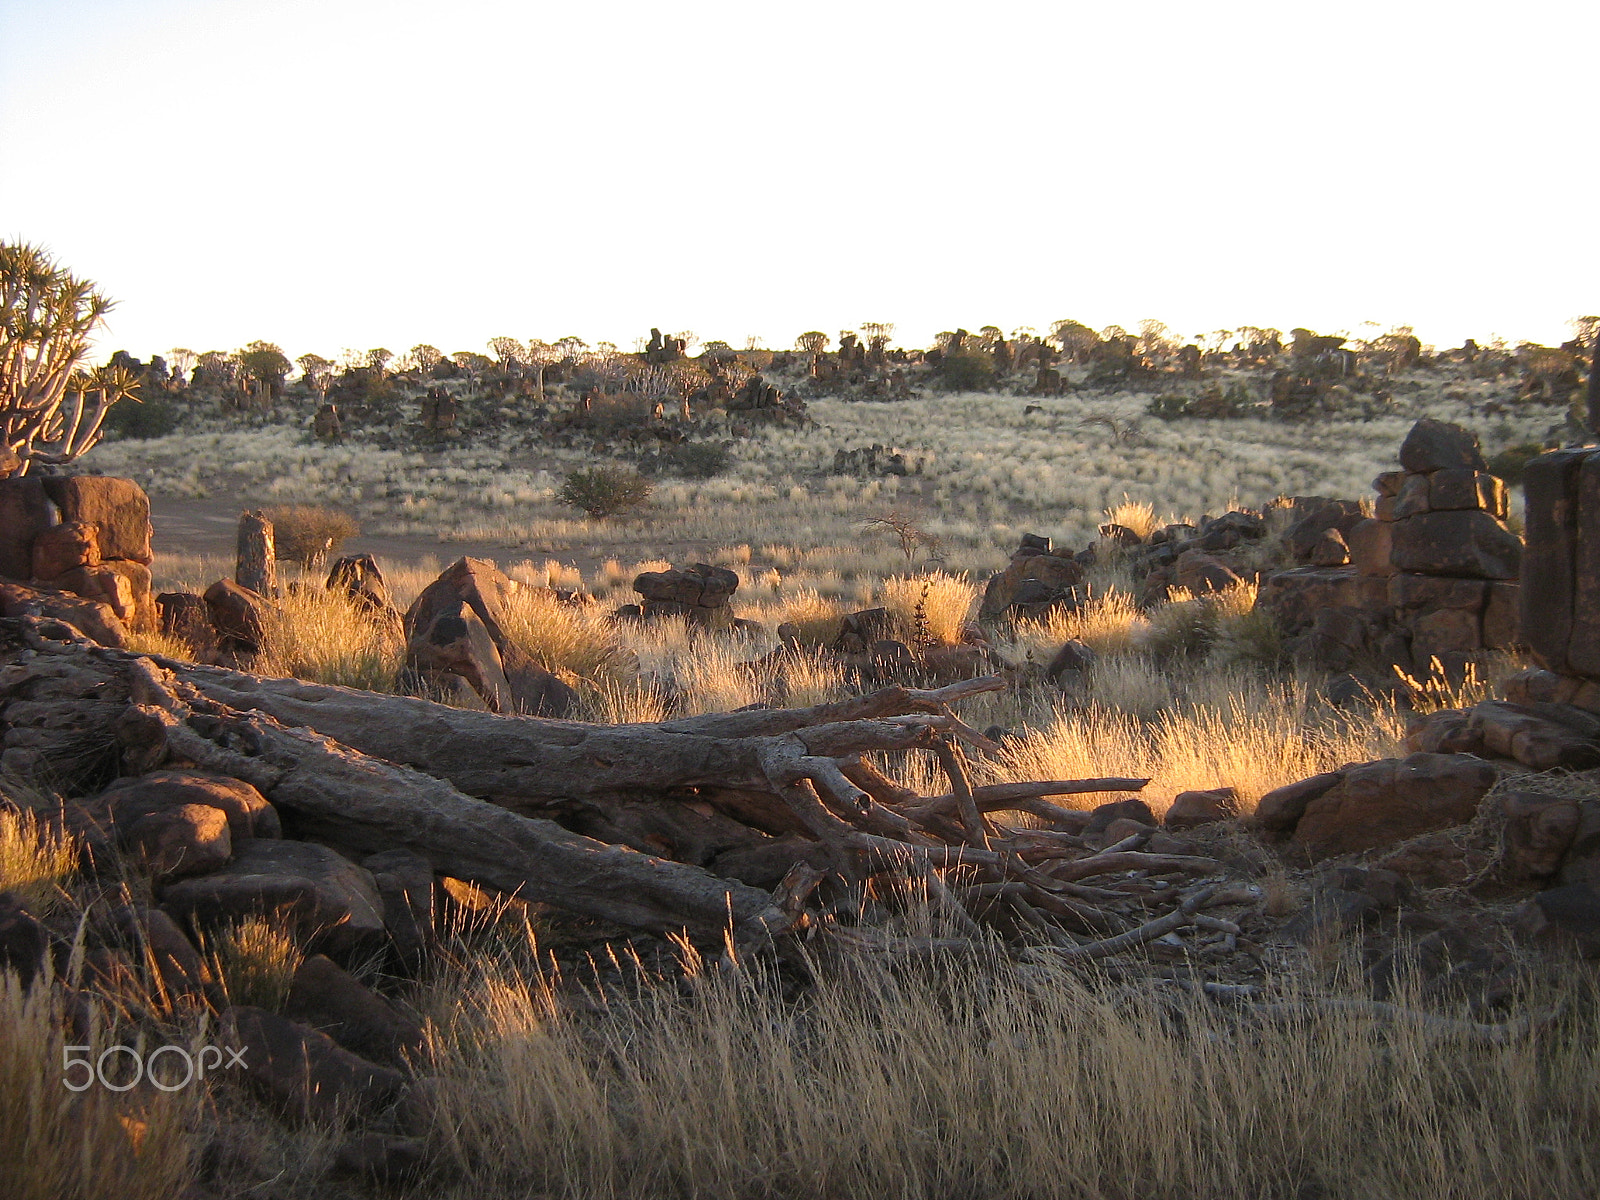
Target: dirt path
208	527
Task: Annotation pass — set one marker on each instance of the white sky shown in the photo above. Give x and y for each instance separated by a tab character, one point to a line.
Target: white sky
354	173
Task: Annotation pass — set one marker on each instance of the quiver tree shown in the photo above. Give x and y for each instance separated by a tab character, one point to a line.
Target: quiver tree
50	411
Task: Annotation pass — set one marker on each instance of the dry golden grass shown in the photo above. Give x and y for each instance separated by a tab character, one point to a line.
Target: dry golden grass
573	640
326	637
1228	731
35	862
56	1144
963	1077
255	962
945	602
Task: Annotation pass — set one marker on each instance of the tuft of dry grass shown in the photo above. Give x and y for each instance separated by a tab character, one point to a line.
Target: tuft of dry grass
985	1072
255	961
325	637
59	1144
570	640
35	861
1233	731
944	601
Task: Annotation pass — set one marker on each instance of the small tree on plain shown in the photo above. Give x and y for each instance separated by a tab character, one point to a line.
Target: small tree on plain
604	491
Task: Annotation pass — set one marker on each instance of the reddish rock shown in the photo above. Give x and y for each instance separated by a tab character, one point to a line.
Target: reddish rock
1190	809
1501	626
1467	543
1412	591
239	616
186	839
1563	917
25	513
104	583
185	615
1550	487
60	548
1294	597
1032	572
1459	487
306	1074
153	937
1448	731
91	618
1379	803
118	508
1371	544
1533	739
330	999
1438	445
326	899
248	812
1280	810
1538	831
1201	573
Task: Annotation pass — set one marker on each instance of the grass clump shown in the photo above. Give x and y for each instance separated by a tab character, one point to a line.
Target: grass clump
604	491
35	861
255	961
935	606
326	637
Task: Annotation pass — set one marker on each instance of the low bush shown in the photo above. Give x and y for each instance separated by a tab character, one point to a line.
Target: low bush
1511	462
604	491
310	535
140	419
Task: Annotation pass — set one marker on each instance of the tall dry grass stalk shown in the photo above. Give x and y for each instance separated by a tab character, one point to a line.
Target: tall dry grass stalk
255	962
35	862
326	637
980	1077
1232	731
572	640
56	1144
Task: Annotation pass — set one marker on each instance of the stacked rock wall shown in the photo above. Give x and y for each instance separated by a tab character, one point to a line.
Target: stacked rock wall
1433	574
84	534
1560	601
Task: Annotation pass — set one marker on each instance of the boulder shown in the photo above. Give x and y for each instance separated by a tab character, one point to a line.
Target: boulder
1538	831
327	900
1379	803
25	512
1567	916
1581	863
358	576
118	508
455	641
248	812
24	939
185	615
306	1074
1447	731
1051	575
1465	543
1132	809
1502	628
1280	810
1073	660
154	938
1200	573
1190	809
330	999
1534	740
404	882
859	630
1438	445
185	839
384	1159
1550	563
60	548
1309	530
699	593
1294	597
91	618
109	586
1371	545
1461	487
239	616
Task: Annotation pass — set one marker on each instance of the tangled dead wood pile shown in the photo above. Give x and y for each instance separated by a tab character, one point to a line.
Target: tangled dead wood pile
741	817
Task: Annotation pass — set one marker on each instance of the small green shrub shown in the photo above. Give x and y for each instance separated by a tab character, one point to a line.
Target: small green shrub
139	419
310	535
699	460
604	491
966	372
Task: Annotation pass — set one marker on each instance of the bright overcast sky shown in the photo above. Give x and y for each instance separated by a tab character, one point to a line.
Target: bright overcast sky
353	173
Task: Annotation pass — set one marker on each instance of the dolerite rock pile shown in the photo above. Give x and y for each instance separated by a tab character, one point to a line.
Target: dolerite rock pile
67	540
456	633
700	594
1431	577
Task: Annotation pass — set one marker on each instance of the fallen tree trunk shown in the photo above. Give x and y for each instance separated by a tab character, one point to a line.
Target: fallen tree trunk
722	806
